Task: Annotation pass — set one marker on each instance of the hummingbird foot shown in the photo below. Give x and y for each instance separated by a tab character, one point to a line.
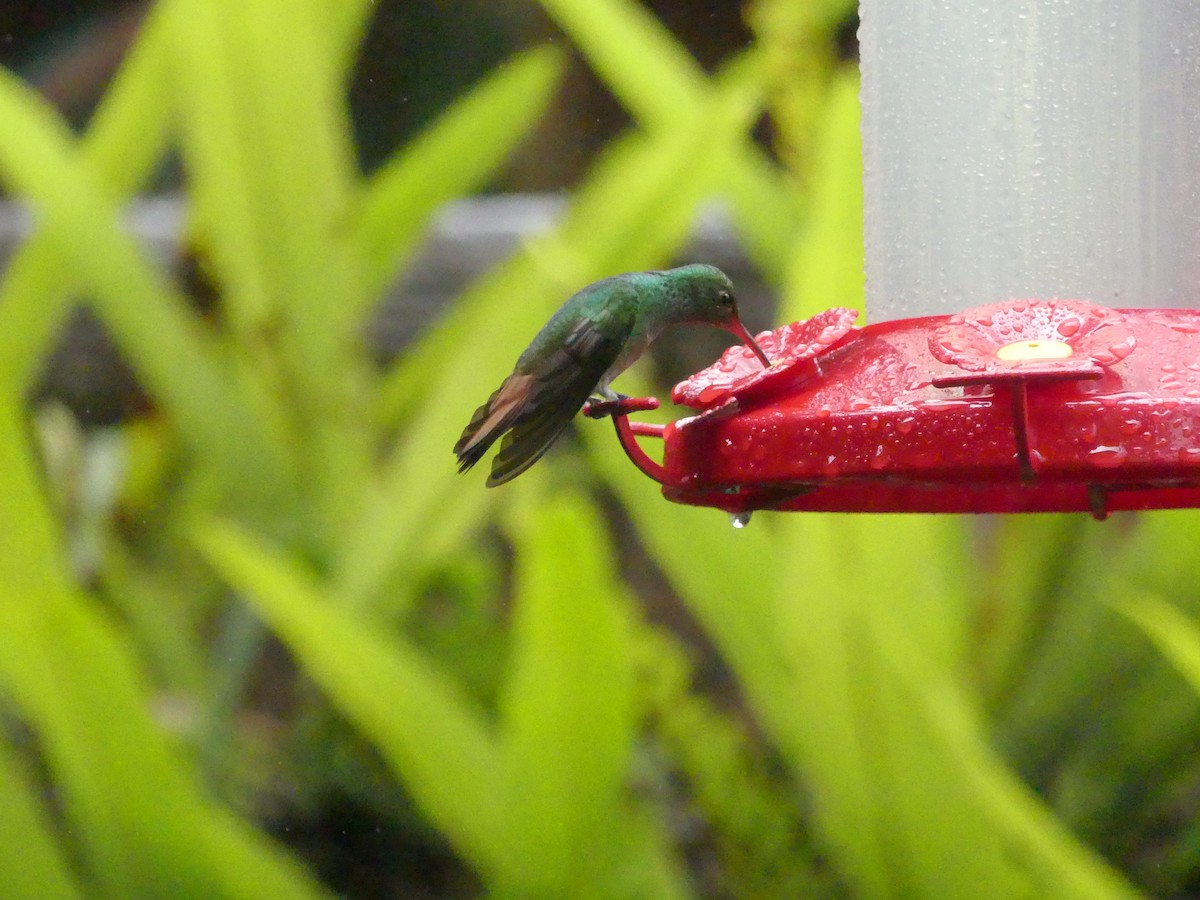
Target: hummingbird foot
621	406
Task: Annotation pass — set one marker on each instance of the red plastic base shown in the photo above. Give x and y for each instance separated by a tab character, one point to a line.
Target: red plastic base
1027	406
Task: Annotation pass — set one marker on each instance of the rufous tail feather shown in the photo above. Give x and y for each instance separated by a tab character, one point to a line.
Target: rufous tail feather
492	419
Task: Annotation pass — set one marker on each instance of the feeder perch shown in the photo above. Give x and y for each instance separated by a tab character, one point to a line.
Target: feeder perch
1014	152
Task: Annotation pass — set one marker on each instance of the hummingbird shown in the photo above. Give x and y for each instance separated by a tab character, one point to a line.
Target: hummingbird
592	338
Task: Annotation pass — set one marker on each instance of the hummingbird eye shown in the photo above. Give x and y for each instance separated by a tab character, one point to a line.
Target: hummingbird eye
726	298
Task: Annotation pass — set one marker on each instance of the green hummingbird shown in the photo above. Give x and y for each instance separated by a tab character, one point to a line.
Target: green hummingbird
595	335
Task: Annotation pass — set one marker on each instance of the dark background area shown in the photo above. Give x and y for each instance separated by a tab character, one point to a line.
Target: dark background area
416	57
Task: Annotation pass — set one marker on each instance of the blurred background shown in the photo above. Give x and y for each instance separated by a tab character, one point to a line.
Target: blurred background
261	639
415	58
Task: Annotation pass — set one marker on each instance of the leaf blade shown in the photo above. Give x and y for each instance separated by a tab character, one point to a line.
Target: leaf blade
431	736
451	158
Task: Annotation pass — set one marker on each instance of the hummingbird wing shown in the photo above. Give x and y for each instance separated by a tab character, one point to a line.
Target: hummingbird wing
536	403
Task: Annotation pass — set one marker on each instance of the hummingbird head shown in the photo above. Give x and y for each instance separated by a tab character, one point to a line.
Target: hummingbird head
704	294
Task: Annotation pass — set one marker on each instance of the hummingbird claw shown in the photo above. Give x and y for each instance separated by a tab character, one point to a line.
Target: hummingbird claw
622	406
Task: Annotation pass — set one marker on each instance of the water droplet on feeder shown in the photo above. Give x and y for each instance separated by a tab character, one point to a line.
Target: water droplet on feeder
1122	349
739	519
1069	327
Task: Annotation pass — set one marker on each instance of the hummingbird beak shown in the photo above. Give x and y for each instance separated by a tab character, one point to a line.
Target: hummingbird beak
737	328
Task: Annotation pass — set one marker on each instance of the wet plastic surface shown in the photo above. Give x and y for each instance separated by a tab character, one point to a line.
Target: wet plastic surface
1022	406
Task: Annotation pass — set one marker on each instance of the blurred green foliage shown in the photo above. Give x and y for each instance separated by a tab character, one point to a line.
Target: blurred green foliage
870	706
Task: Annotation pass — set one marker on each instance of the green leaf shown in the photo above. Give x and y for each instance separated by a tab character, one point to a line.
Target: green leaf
34	866
657	80
567	712
126	138
272	207
346	22
429	733
127	135
1176	635
825	265
652	74
1028	560
452	157
139	823
266	142
175	358
1054	862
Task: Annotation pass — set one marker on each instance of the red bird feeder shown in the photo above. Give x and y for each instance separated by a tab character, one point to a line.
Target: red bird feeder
1024	406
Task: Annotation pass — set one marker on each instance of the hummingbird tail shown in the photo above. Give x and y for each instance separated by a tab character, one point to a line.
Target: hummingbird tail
528	442
468	457
491	420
